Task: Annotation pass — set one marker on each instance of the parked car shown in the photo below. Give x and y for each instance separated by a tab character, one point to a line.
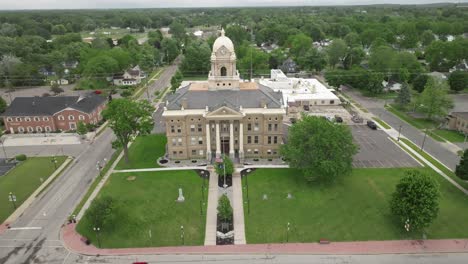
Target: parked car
338	119
372	125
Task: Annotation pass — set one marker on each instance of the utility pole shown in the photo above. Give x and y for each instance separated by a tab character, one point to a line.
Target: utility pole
399	132
424	140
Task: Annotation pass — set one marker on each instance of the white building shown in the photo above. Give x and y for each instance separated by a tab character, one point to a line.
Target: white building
299	92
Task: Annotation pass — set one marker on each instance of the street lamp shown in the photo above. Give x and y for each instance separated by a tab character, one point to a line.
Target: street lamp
12	199
97	229
424	139
54	161
399	132
99	168
182	234
287	233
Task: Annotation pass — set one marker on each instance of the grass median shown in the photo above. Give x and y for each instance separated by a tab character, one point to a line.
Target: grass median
355	208
23	180
381	122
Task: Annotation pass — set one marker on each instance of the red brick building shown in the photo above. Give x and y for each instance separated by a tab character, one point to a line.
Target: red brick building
48	114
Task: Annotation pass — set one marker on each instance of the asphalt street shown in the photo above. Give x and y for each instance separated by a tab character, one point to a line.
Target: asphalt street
431	146
39	241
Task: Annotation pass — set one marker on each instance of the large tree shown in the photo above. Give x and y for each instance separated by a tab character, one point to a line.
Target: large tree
458	80
101	212
336	52
415	201
404	96
462	168
196	59
434	100
127	118
321	149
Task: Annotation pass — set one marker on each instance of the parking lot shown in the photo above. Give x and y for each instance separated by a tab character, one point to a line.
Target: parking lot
376	150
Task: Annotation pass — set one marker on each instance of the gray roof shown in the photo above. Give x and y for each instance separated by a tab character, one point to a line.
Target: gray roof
463	115
33	106
197	99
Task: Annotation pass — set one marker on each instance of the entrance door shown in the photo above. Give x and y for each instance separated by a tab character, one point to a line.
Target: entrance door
225	146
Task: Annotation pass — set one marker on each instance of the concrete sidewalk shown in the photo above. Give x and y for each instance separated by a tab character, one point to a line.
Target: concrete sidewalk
212	211
72	241
238	209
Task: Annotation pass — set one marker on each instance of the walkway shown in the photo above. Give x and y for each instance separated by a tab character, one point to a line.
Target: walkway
72	241
163	169
238	209
211	213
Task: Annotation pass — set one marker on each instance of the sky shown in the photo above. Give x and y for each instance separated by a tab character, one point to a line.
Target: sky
102	4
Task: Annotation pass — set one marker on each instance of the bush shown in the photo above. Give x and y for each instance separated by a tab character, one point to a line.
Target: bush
20	157
126	93
462	168
224	209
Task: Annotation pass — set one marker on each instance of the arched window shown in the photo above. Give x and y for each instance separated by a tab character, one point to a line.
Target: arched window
223	71
39	129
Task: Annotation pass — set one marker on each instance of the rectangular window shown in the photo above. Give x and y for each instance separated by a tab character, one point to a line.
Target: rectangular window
256	128
174	153
269	140
192	141
249	127
200	128
179	140
194	152
269	127
200	141
249	139
275	140
256	139
332	101
192	128
173	142
255	151
276	127
201	152
179	129
172	129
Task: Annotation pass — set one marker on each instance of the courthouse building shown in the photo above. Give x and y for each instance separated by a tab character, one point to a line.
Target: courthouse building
224	115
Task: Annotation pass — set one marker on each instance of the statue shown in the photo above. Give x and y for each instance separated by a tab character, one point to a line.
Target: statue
181	197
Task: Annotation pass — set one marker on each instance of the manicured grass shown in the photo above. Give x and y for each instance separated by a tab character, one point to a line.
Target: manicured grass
96	181
354	208
23	180
450	135
149	203
435	163
382	123
144	152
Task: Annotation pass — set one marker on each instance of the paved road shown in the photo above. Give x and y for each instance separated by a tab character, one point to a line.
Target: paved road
431	146
40	243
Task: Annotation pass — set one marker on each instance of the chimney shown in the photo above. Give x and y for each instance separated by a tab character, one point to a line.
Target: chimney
263	103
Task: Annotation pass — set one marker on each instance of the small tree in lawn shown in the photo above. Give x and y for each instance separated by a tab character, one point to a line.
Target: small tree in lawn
321	149
416	200
404	96
3	105
434	100
462	168
100	213
224	209
127	118
229	166
81	129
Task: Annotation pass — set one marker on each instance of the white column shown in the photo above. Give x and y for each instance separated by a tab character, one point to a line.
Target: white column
241	140
218	141
208	142
231	139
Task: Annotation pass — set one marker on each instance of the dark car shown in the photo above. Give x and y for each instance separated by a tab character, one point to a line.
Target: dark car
372	125
338	119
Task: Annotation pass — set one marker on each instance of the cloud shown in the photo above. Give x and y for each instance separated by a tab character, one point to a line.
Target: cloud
86	4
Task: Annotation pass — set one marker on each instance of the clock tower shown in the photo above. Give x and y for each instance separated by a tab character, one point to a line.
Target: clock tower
223	74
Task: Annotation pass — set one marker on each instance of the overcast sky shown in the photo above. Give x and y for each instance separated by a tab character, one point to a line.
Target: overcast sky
78	4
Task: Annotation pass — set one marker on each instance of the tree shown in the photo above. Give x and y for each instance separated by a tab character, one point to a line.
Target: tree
321	149
224	209
127	118
458	80
404	96
336	52
416	200
3	105
176	80
420	82
196	59
177	30
237	34
352	39
462	168
313	60
434	100
354	57
101	211
227	162
81	128
374	83
427	37
55	88
299	44
59	30
170	49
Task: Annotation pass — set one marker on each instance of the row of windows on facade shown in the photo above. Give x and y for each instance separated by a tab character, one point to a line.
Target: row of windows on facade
199	128
194	141
462	125
201	152
270	140
39	129
45	118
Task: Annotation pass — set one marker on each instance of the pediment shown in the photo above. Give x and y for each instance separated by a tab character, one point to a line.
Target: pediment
224	111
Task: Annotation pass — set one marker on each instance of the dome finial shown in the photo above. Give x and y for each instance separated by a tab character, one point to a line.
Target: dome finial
222	32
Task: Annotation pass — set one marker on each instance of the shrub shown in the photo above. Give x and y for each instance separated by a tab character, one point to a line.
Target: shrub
462	168
224	209
126	93
20	157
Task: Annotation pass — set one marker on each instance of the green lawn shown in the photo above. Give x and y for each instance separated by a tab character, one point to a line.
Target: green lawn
144	152
354	208
420	123
450	135
149	203
23	180
382	123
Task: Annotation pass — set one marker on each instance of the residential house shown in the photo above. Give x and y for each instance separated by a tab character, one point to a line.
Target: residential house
289	66
458	121
52	113
130	77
